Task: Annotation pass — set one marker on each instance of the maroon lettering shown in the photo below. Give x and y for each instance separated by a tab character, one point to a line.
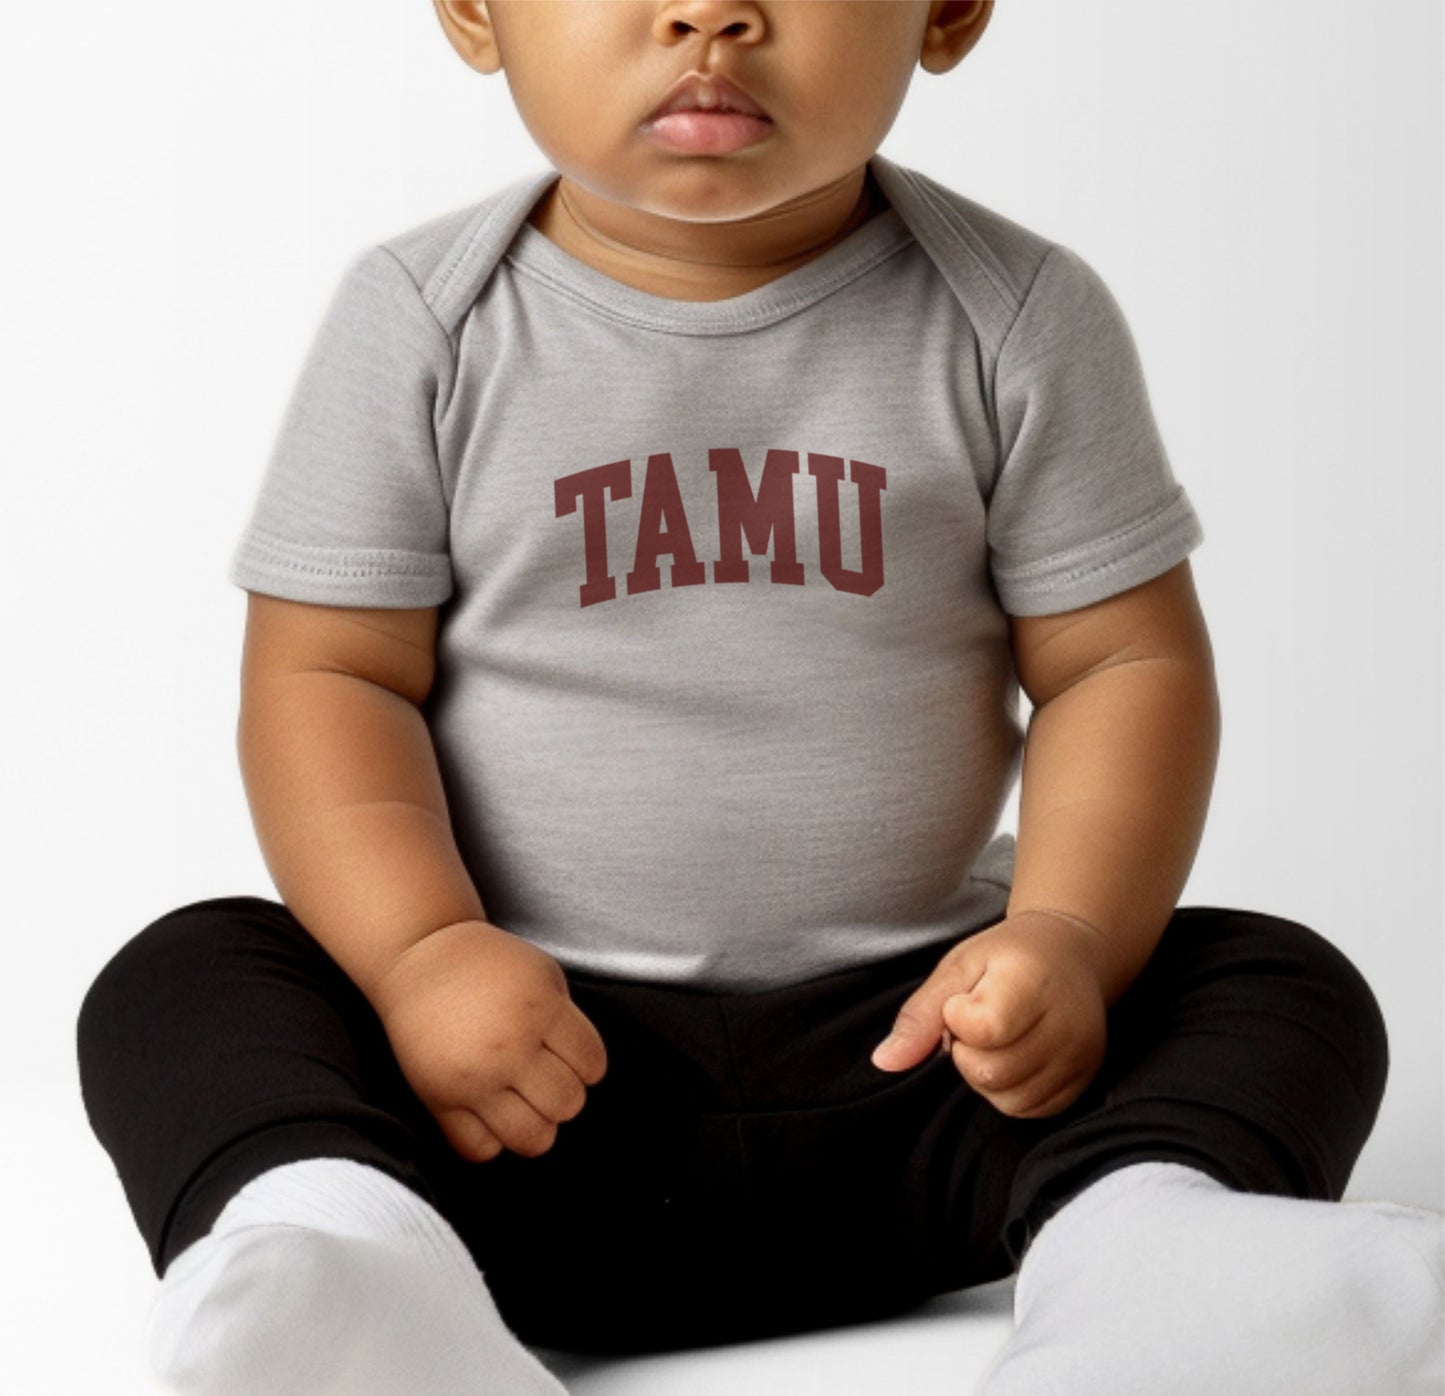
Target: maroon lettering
662	528
764	519
871	481
767	516
588	485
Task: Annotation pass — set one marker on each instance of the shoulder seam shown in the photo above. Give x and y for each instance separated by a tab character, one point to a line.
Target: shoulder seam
1023	304
430	313
441	407
993	366
481	220
1000	285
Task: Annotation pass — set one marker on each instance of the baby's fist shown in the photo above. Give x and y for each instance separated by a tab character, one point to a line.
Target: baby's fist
1020	1009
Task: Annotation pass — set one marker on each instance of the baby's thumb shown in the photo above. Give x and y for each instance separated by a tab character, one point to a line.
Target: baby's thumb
917	1030
919	1027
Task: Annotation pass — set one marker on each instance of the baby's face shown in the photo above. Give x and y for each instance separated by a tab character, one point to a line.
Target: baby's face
586	76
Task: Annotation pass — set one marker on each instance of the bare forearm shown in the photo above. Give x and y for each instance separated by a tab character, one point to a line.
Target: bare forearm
1117	775
351	816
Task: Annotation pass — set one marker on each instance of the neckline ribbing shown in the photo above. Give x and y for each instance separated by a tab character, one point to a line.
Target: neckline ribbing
867	245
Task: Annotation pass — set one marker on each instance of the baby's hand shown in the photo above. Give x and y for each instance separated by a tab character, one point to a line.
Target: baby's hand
1020	1007
488	1037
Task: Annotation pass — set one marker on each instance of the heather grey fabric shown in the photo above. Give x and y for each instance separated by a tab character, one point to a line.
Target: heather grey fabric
725	693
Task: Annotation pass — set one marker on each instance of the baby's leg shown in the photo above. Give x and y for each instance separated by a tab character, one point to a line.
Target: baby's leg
1180	1227
280	1169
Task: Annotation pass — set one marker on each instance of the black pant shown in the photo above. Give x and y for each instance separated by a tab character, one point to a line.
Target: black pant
742	1169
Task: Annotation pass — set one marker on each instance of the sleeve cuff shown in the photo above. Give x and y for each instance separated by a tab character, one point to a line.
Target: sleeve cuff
1102	568
378	577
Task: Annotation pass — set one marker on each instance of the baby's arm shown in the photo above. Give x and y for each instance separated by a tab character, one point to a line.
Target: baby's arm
349	808
1118	767
342	779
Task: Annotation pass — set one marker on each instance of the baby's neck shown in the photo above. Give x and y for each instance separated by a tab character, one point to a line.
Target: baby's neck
737	260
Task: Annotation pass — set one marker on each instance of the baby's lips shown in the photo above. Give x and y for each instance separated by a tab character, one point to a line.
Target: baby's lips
687	94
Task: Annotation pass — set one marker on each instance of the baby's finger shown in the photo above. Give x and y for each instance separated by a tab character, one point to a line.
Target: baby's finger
517	1123
466	1133
1042	1096
993	1070
551	1087
991	1018
574	1038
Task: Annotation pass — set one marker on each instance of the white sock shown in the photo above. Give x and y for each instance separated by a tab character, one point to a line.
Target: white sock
327	1275
1158	1280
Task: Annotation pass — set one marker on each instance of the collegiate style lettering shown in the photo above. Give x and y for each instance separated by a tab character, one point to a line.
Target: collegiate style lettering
764	521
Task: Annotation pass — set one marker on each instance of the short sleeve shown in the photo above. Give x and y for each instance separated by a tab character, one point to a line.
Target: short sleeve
1084	504
351	510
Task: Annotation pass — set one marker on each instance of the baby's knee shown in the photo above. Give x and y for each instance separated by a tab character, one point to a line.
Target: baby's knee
110	1000
1341	1005
165	962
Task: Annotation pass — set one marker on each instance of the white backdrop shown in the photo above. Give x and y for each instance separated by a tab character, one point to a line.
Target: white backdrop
1260	187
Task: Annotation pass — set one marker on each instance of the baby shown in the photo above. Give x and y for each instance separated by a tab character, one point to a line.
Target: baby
640	591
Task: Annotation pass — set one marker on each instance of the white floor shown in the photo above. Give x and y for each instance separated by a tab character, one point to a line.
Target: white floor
77	1288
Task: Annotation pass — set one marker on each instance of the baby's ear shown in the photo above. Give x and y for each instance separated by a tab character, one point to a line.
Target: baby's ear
468	27
954	27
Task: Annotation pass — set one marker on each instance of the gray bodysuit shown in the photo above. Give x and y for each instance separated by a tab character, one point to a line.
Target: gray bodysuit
724	693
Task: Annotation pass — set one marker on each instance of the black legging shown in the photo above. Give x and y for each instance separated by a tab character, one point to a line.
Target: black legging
742	1169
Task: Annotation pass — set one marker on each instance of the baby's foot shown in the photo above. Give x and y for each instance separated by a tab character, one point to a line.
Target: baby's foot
1158	1279
351	1289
